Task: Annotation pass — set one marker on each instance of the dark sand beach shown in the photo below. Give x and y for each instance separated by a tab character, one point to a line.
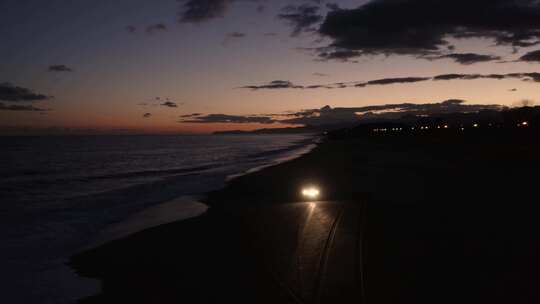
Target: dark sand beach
433	217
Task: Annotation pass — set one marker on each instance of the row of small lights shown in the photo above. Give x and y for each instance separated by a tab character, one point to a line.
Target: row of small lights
385	129
522	124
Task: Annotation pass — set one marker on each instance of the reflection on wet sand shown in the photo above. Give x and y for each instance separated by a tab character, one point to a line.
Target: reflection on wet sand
321	264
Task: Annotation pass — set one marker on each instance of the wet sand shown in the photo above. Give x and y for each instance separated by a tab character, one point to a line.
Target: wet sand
439	218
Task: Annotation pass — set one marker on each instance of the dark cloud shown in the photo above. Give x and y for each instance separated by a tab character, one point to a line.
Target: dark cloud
338	54
158	27
319	86
60	68
533	56
197	11
522	76
147	115
332	6
301	17
23	108
323	116
160	102
131	29
169	104
236	35
283	84
320	74
421	27
456	76
328	116
229	37
527	76
387	81
276	84
9	92
466	58
190	115
224	118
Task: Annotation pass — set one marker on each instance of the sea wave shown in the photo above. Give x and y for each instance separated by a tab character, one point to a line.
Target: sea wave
148	173
75	190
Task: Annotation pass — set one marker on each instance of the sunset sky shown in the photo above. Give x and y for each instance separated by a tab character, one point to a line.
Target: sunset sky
144	66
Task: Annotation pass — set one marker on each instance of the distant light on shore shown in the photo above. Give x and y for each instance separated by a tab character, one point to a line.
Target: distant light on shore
311	192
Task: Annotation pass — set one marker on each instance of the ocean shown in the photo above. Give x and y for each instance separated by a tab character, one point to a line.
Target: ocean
60	194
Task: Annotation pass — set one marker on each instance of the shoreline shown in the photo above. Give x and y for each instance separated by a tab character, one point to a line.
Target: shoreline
192	205
416	200
301	149
177	209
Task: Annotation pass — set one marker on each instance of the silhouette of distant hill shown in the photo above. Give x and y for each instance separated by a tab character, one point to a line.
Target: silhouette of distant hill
507	117
298	130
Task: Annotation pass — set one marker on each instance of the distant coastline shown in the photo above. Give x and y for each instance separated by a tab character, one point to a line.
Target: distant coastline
503	117
292	130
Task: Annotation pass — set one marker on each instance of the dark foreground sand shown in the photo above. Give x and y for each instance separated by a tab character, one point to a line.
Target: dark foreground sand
432	218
